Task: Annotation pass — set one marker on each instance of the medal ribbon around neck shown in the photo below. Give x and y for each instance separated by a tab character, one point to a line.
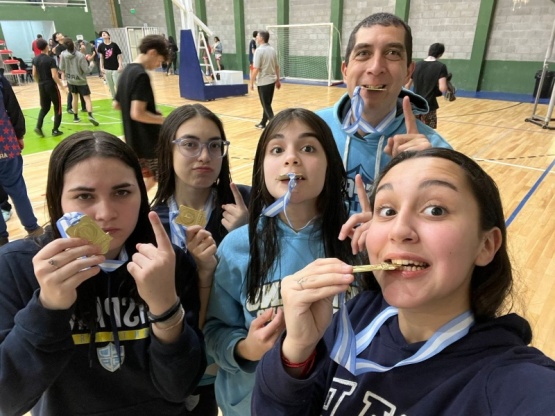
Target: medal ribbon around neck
280	204
357	107
177	231
72	218
347	346
355	112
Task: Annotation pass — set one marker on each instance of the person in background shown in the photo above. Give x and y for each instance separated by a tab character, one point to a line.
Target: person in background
5	205
135	99
45	73
97	43
296	210
205	56
194	172
111	61
59	47
34	47
375	119
430	81
95	57
51	46
218	51
12	136
75	68
252	49
431	337
172	60
266	76
115	327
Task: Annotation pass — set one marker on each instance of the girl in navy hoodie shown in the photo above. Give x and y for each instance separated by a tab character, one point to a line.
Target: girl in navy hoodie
429	338
193	165
88	333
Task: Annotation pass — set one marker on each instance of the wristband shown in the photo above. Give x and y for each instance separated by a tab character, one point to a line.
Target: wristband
180	315
306	365
166	315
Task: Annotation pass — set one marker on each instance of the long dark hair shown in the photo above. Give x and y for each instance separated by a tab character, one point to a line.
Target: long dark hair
75	149
166	175
491	285
82	146
330	204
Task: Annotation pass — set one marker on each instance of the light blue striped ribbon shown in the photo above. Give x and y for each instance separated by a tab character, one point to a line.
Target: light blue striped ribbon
281	204
177	231
72	218
358	123
347	346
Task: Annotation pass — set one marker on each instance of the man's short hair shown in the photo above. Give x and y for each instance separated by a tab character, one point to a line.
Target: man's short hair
70	46
436	50
42	44
255	33
156	42
264	35
382	19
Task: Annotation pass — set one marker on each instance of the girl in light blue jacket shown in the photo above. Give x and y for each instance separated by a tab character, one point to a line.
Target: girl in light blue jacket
298	205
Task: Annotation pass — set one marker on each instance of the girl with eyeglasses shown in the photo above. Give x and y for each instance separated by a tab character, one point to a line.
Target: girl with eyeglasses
194	172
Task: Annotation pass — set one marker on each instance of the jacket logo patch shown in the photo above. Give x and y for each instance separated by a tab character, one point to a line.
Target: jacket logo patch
108	357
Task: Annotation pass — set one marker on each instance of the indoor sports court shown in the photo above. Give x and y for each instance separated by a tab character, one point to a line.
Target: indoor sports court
507	127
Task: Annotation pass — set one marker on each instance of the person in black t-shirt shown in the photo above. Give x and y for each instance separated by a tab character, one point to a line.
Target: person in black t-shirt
45	73
135	99
111	61
430	81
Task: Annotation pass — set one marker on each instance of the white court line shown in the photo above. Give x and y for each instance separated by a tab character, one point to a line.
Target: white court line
496	162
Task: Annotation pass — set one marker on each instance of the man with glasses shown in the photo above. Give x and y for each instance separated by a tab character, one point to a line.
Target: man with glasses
135	99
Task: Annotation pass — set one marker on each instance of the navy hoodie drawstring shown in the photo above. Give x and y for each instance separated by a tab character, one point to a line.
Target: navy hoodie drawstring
113	324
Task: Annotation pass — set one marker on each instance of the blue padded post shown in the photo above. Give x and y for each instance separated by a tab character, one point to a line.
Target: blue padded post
191	80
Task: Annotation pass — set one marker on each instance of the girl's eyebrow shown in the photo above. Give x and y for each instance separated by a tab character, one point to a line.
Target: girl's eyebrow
437	182
192	136
301	136
426	184
88	189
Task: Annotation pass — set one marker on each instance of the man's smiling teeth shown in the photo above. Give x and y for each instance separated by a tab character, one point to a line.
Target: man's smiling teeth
374	87
409	265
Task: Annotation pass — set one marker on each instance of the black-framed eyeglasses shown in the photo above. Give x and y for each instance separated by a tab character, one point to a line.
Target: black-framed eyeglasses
193	147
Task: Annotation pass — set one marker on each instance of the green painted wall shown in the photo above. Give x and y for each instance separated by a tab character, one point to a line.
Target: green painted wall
509	76
497	76
70	21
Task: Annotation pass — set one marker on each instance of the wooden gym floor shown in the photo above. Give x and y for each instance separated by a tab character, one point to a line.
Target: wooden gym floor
520	156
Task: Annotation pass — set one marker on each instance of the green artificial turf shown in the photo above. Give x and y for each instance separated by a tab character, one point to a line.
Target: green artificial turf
109	119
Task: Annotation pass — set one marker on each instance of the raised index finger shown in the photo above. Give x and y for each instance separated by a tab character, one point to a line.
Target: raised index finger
162	240
361	193
237	195
410	118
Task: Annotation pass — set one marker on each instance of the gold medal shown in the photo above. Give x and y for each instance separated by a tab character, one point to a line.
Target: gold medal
372	267
88	229
189	216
